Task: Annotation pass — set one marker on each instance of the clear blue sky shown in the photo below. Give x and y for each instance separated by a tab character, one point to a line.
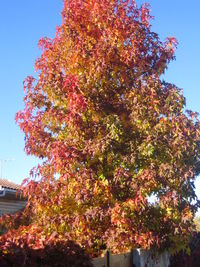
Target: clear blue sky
23	23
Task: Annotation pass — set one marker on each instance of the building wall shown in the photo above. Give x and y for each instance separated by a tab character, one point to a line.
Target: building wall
8	206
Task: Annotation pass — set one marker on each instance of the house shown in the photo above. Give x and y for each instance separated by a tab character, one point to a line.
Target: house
10	199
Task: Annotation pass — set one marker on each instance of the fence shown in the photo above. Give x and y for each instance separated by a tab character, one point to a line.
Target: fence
110	260
135	258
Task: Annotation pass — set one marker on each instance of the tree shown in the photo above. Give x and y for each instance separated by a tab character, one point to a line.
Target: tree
197	223
110	132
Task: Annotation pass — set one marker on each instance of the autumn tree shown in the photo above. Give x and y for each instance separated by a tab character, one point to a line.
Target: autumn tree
111	133
197	223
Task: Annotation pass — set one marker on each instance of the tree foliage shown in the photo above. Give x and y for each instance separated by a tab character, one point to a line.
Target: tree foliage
29	248
182	259
197	223
111	133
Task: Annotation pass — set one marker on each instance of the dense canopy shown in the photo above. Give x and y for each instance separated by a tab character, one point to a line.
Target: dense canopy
111	133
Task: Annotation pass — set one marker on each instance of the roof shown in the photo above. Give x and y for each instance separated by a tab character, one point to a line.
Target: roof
8	184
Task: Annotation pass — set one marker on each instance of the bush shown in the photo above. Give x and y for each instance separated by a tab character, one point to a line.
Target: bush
24	248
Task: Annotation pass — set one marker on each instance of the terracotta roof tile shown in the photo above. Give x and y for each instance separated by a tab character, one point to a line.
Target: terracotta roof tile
8	184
